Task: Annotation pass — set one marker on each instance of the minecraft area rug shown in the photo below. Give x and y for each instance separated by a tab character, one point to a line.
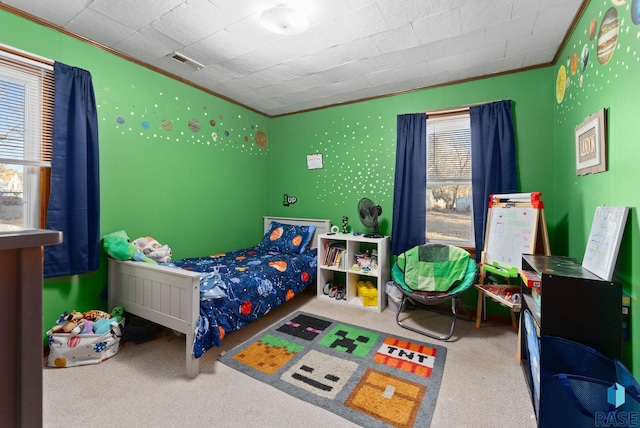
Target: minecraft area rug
371	378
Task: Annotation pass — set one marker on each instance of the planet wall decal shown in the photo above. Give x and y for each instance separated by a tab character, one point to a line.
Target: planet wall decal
608	36
261	139
584	58
561	82
166	124
635	11
194	125
592	28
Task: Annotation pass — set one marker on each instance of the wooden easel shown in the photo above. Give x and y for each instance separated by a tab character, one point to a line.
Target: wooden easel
515	226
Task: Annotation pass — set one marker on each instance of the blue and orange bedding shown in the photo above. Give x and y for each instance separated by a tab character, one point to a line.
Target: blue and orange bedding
240	286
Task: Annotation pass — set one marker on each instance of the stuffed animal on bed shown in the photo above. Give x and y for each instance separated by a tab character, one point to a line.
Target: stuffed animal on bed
118	246
152	249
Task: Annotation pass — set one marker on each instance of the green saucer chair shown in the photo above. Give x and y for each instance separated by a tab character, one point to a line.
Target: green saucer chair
432	274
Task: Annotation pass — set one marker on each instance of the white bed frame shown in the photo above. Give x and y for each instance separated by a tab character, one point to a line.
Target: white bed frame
171	297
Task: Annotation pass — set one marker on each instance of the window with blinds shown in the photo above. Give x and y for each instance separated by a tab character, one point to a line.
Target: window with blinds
449	209
26	138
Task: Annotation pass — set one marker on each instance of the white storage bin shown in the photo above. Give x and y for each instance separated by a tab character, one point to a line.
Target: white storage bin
69	350
394	296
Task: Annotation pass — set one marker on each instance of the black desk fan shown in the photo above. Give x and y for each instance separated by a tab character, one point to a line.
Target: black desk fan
369	213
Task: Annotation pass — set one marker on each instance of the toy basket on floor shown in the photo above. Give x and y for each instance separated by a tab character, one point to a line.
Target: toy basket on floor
70	350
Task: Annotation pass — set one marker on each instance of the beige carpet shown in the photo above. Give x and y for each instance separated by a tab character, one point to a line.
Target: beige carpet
144	385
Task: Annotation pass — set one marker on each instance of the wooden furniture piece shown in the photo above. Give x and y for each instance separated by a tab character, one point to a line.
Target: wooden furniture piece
348	274
169	296
515	226
21	277
575	305
498	293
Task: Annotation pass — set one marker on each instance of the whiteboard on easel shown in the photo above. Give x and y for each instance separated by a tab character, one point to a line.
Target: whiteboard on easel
510	234
604	241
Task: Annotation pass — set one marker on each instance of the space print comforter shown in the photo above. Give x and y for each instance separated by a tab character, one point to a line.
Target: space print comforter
240	286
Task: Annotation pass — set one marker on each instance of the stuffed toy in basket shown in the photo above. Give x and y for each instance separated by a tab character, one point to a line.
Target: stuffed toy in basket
69	349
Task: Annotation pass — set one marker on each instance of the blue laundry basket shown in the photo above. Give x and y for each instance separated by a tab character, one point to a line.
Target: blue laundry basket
579	387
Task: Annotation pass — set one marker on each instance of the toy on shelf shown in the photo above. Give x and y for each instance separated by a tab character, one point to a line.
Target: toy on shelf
530	279
345	224
363	262
505	294
505	272
368	293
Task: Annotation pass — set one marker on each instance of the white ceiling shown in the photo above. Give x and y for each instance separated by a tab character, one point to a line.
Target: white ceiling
354	49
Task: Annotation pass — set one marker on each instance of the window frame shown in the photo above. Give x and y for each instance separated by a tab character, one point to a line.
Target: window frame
36	74
441	117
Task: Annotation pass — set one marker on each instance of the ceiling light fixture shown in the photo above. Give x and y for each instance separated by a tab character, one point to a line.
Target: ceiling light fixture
284	20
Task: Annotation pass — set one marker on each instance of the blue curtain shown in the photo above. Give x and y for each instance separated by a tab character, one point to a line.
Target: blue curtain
493	159
410	185
74	202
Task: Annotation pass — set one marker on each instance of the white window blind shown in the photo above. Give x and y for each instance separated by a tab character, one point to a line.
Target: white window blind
449	149
26	111
26	137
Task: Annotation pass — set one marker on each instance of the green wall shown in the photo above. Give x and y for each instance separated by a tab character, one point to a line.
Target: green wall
175	163
204	188
610	85
358	141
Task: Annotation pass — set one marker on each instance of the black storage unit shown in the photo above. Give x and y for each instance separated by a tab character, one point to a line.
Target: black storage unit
575	305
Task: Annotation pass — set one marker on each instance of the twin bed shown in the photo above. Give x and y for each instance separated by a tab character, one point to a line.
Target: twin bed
208	297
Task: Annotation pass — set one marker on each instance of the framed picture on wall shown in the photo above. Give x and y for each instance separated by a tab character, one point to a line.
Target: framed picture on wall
314	161
591	156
